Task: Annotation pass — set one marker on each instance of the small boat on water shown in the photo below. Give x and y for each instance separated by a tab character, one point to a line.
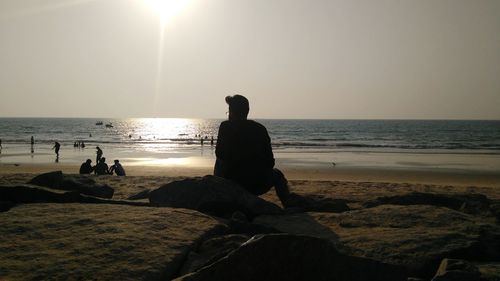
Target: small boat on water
109	125
99	123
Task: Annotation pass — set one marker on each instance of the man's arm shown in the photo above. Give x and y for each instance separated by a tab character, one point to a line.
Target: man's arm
222	151
221	148
268	151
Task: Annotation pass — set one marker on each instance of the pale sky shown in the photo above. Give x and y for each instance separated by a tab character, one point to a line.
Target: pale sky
351	59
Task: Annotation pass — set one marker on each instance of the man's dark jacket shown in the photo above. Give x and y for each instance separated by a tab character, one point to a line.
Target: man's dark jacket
244	154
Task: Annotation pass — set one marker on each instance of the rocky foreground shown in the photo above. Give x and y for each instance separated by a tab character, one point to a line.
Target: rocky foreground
62	227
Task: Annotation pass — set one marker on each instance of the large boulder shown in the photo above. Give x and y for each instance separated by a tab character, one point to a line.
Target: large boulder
316	203
35	194
298	224
6	205
212	250
21	194
213	195
490	271
466	202
291	257
417	237
98	242
81	184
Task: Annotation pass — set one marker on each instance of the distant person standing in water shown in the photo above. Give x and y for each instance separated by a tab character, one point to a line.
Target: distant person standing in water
32	140
56	148
117	168
98	154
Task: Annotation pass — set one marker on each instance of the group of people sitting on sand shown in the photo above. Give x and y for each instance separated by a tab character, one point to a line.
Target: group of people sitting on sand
101	168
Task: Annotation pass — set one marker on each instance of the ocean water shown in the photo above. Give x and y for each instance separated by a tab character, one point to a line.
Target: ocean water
166	138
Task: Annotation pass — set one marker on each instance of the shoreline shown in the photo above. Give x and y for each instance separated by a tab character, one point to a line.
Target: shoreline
304	173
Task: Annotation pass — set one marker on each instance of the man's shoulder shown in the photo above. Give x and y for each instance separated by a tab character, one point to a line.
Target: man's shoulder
256	126
245	123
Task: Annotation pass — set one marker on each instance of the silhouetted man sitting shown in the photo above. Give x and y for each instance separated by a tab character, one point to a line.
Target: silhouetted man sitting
101	168
86	167
244	153
117	168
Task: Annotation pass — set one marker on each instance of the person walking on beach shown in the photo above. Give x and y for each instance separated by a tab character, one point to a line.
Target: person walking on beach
101	168
86	167
117	168
56	148
244	154
98	154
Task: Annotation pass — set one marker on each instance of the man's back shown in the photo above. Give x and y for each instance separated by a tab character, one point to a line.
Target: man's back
101	168
244	148
86	168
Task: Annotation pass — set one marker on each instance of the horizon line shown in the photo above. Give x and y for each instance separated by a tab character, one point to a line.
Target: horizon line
258	118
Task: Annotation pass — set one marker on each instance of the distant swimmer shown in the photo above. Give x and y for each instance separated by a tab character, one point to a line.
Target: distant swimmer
117	168
86	167
56	148
98	154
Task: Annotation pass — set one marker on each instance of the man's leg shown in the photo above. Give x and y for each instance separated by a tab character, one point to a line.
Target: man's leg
280	185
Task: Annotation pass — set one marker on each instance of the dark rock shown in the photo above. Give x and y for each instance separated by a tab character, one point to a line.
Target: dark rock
290	257
83	185
6	205
490	271
495	209
211	251
87	186
98	241
248	228
457	270
36	194
417	237
51	179
316	203
212	195
467	203
141	195
297	224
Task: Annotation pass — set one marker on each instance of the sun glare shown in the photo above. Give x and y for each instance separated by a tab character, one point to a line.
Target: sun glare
167	9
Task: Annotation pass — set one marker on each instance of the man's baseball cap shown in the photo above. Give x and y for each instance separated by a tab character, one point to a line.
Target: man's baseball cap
238	103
